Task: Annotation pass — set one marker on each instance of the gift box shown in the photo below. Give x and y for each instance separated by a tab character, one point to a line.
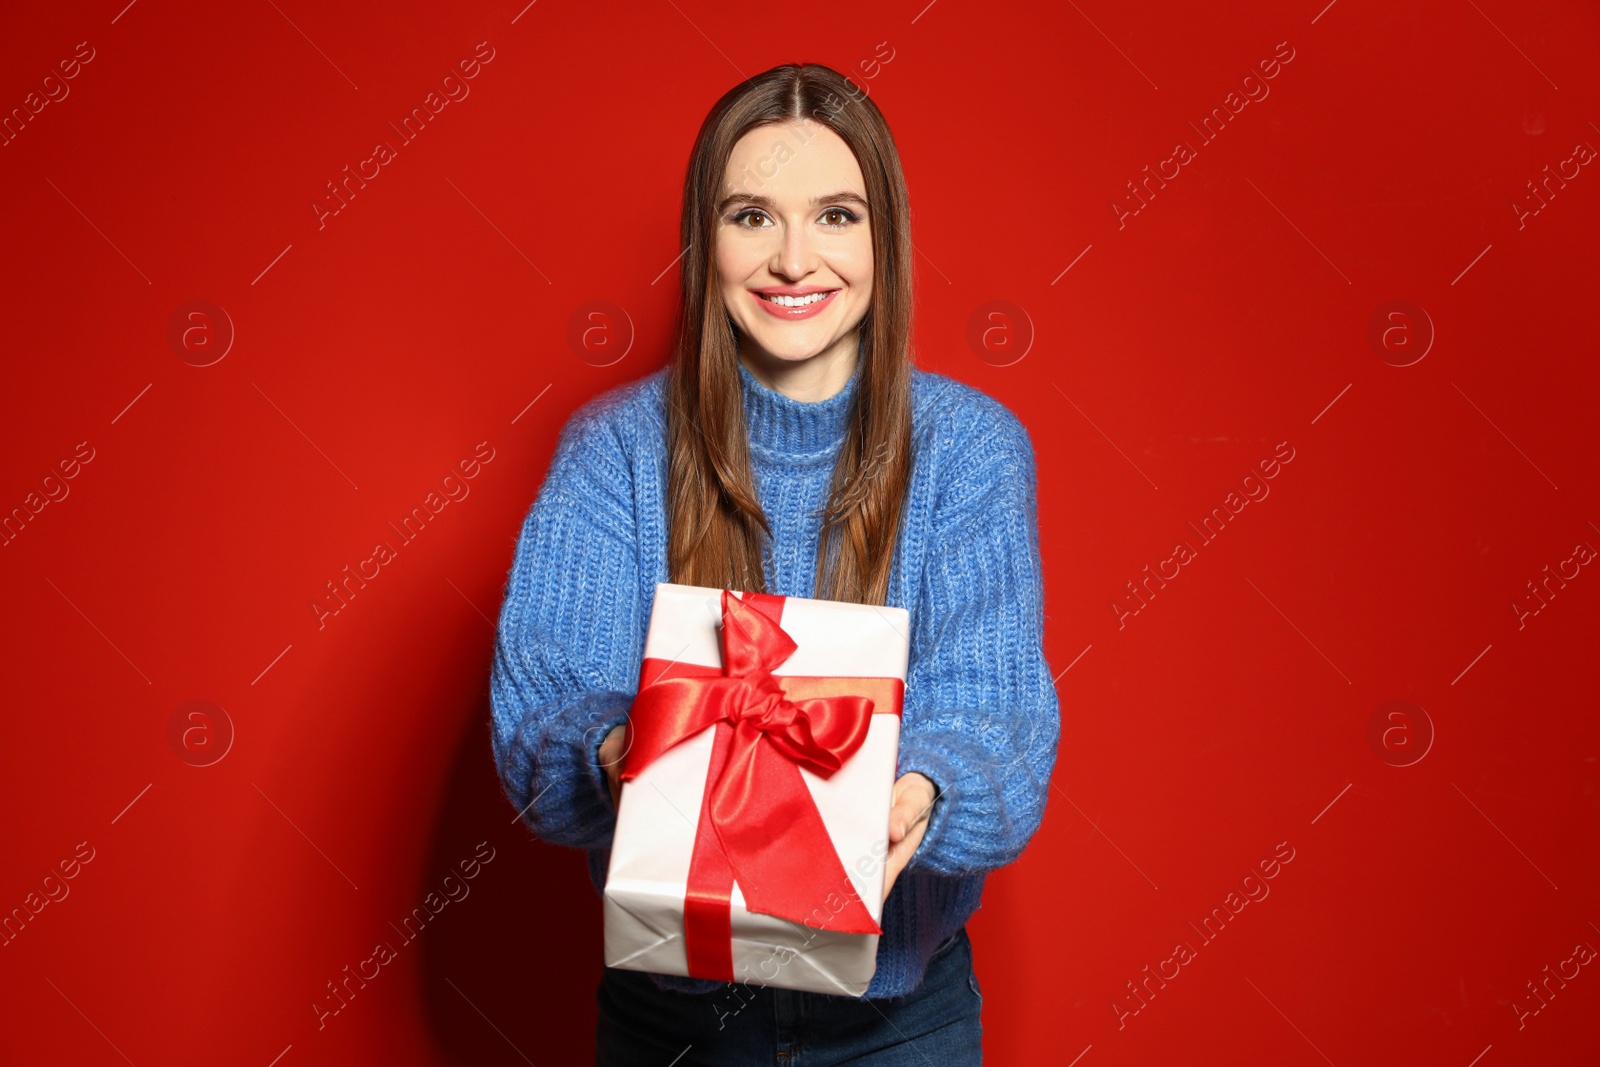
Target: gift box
752	828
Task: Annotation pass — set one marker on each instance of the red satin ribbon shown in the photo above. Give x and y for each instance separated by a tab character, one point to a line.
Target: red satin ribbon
758	822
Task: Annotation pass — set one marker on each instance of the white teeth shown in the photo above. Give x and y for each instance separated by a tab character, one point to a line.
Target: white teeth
796	301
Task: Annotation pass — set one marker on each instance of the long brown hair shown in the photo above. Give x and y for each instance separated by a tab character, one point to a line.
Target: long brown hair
715	522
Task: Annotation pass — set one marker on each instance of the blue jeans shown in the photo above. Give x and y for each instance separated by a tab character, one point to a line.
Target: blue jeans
937	1023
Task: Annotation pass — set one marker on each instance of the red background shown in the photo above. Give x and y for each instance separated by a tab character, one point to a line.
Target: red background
373	353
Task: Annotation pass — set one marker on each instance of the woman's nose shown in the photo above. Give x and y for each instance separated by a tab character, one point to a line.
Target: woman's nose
795	254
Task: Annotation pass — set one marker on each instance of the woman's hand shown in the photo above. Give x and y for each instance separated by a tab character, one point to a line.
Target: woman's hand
611	753
914	795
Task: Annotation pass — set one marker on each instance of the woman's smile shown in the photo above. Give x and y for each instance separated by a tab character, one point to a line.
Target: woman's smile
784	304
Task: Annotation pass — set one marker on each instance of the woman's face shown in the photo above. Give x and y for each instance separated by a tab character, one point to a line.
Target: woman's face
792	223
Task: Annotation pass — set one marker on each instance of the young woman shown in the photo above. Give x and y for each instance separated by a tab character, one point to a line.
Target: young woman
791	447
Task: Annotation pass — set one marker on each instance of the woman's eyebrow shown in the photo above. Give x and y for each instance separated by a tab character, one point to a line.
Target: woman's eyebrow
756	200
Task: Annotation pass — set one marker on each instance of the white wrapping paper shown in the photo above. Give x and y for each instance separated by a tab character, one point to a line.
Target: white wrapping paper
659	810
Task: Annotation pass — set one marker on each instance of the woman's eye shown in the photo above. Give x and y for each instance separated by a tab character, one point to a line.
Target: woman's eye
844	216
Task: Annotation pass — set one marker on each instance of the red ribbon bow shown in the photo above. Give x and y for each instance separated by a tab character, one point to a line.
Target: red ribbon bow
759	824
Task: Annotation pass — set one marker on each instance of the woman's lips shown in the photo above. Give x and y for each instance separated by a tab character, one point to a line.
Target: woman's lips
781	312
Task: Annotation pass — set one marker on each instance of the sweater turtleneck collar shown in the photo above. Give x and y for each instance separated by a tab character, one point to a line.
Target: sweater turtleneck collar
790	430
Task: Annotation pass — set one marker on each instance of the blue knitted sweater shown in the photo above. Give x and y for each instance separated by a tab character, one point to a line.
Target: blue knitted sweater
980	719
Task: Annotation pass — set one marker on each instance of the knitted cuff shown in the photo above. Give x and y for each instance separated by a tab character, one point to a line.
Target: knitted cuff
602	712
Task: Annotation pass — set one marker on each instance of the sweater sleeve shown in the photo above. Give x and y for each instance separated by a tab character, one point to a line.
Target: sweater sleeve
982	719
566	649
